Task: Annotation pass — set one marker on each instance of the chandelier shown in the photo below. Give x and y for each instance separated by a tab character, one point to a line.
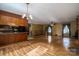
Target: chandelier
52	24
27	15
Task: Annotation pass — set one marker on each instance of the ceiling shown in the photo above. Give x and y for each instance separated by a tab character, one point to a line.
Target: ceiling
44	13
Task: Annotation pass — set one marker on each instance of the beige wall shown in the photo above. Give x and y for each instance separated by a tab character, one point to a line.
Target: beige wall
45	26
38	29
57	29
73	28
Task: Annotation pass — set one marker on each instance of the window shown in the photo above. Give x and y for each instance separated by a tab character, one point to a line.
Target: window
66	29
49	30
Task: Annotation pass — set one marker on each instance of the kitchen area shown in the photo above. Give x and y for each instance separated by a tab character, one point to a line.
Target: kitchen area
13	28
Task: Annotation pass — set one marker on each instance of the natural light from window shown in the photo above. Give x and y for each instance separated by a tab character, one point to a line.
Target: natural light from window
66	29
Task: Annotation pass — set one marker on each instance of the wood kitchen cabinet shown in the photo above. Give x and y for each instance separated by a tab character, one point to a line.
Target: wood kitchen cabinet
14	22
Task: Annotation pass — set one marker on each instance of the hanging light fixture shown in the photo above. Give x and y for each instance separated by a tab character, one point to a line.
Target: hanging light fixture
30	16
24	15
27	11
52	24
27	15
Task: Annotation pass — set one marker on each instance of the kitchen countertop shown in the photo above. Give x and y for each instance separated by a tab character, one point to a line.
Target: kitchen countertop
1	33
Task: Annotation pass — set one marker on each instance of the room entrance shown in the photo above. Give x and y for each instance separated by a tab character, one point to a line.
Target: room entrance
49	30
66	30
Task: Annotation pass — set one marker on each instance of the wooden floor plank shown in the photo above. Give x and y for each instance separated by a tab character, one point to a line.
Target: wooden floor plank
38	46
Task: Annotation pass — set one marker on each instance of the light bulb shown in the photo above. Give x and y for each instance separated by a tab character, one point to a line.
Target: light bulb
23	16
30	16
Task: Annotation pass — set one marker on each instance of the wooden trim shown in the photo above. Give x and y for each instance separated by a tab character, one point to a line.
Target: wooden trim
10	14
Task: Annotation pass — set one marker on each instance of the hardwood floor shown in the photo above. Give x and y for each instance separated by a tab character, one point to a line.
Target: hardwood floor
42	46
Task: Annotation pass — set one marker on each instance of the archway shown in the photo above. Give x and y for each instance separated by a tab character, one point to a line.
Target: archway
66	30
49	30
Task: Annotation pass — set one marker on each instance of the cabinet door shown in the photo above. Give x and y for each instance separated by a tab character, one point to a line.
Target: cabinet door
21	37
22	22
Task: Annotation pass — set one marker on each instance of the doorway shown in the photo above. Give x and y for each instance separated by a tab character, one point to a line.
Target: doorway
66	30
49	30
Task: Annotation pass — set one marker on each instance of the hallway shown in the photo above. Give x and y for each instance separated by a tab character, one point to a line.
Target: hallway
40	46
